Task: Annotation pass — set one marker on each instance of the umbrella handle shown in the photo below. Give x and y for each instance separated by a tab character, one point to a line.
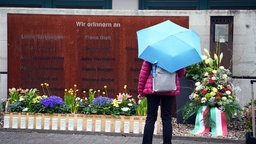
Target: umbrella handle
154	70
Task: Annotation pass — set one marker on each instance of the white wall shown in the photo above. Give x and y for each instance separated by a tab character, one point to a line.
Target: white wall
244	44
3	55
125	4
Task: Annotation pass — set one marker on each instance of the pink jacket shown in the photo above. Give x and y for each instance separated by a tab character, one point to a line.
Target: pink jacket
145	80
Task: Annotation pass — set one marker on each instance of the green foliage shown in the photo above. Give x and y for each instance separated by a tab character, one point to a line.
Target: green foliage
142	107
91	95
195	71
18	106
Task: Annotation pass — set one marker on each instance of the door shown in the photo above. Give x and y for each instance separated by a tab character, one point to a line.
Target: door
221	31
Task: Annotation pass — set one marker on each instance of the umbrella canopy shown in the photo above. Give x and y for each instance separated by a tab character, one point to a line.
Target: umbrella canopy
169	45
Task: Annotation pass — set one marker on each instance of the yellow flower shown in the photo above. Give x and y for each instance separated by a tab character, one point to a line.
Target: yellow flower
212	94
75	85
214	71
103	93
116	103
44	96
214	89
224	98
105	86
125	86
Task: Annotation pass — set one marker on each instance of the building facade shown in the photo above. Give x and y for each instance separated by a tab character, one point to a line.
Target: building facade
236	19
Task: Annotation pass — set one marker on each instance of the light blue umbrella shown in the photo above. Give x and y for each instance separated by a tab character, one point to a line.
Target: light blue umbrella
169	46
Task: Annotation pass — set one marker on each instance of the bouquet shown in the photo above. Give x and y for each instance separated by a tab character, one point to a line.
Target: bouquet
214	88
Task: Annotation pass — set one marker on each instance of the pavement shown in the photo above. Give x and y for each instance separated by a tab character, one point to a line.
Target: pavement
25	136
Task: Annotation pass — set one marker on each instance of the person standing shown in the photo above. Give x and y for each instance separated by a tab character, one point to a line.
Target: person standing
154	99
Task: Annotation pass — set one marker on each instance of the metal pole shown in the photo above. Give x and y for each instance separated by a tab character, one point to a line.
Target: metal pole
253	109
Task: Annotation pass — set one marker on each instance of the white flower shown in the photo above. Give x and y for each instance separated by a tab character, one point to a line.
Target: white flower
214	78
129	104
207	61
224	76
125	109
78	99
221	67
21	99
191	96
206	74
197	84
219	103
195	95
228	92
204	57
199	87
25	109
220	86
203	100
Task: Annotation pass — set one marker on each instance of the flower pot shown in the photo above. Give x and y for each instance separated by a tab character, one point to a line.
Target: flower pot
78	122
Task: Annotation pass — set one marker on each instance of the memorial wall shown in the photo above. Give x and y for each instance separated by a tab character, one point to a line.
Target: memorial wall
90	51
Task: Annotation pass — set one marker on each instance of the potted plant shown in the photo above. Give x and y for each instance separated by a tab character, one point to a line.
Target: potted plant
27	109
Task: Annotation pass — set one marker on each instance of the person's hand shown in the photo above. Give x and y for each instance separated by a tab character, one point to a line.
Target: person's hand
140	96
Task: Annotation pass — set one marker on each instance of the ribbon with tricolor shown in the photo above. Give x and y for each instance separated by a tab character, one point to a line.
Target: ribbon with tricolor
200	126
219	123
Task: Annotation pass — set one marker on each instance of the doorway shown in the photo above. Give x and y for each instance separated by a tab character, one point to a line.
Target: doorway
221	31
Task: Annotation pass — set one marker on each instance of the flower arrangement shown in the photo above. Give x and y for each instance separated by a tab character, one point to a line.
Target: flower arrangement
52	104
213	88
23	100
95	102
100	105
124	104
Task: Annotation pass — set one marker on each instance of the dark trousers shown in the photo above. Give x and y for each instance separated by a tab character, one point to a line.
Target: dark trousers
166	115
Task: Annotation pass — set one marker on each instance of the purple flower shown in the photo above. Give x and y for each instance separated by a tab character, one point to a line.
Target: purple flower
52	101
101	100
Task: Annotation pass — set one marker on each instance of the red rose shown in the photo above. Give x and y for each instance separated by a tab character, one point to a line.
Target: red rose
204	91
211	81
219	93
